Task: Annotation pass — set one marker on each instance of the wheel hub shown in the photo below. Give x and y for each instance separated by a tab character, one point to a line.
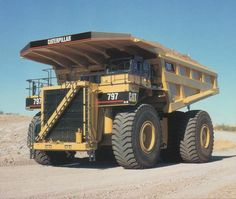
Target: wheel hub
147	137
205	136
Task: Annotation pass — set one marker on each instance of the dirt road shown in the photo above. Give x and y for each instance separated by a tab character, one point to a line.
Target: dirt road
216	179
84	179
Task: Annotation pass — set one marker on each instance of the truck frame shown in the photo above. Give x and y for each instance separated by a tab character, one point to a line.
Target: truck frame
118	96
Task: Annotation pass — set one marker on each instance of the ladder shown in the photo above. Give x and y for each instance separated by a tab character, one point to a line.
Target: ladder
88	134
59	110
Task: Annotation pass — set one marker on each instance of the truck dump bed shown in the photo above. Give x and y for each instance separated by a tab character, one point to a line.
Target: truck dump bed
183	79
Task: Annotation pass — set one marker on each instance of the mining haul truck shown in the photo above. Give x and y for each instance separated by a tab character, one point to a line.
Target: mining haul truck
117	96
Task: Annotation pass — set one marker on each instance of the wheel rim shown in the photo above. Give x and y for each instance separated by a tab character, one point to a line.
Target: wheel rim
147	137
205	136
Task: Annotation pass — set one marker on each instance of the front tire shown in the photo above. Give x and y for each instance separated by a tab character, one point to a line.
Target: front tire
136	138
45	157
197	143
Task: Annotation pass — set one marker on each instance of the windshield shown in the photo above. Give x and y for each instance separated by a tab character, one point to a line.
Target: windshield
119	66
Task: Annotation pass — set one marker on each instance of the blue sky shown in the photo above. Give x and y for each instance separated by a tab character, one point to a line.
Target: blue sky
204	29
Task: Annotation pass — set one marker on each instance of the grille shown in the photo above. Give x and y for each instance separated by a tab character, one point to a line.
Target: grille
71	119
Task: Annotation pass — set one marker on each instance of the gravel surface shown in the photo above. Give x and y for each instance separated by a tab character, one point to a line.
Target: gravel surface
13	133
22	178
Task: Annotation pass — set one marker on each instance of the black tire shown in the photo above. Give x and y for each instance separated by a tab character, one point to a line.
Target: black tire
197	143
34	129
46	157
54	157
104	154
42	158
127	140
176	129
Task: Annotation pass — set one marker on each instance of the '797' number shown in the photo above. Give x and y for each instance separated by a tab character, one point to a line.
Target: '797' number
112	96
36	101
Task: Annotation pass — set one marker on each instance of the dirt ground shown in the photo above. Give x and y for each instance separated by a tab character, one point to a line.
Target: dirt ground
22	178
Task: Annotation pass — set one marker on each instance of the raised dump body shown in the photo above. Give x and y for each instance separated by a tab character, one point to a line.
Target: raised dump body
105	79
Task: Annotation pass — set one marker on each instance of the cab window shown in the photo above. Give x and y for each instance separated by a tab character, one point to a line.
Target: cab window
118	66
169	67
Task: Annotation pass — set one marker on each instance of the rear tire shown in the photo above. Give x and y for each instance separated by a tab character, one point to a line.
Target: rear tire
46	157
136	138
197	143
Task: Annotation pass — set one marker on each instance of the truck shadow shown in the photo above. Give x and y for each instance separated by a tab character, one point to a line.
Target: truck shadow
215	158
221	157
85	163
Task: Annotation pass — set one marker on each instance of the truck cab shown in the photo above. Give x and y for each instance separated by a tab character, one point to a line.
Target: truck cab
131	65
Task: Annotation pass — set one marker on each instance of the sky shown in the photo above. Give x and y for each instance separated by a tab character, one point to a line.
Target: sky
203	29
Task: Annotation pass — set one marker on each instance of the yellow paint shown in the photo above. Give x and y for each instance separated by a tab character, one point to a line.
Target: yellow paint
187	89
147	137
201	95
189	64
78	136
205	136
114	88
121	79
114	79
84	113
108	125
68	146
93	113
42	107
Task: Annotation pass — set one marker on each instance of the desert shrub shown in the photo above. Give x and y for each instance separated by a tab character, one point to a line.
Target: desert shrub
224	127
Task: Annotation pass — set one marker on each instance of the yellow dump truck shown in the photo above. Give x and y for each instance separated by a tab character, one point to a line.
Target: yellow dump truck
117	96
